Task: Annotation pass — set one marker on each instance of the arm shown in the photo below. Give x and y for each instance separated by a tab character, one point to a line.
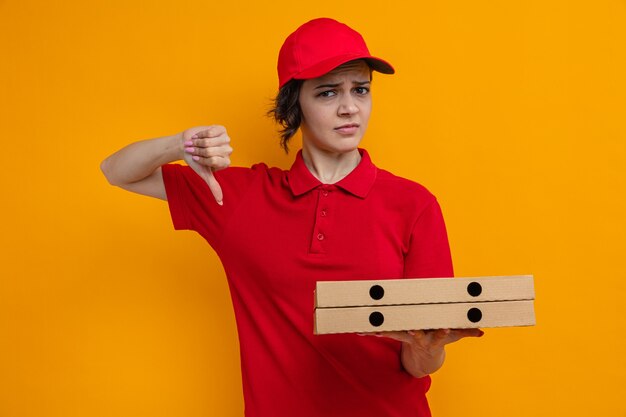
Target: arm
137	167
423	351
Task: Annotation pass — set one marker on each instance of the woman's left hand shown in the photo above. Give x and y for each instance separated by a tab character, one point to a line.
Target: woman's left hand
423	350
430	339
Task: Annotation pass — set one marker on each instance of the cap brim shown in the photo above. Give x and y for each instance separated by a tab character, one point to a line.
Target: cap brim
324	67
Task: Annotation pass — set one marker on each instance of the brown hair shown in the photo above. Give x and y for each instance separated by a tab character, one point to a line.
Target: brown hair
286	111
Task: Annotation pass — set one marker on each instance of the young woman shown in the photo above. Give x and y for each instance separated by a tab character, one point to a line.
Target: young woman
333	216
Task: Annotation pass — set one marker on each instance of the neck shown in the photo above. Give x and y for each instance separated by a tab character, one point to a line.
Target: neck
330	168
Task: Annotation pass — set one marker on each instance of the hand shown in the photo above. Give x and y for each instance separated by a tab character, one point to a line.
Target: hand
207	149
423	350
429	340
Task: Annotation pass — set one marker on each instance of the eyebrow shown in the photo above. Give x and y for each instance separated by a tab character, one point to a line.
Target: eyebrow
338	84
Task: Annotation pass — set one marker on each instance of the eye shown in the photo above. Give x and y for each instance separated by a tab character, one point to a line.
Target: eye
361	90
327	93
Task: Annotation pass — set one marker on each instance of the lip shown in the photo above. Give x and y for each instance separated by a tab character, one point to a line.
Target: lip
348	128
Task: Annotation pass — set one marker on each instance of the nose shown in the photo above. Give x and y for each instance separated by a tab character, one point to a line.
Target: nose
347	106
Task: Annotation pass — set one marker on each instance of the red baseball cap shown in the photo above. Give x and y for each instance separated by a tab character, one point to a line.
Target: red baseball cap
321	45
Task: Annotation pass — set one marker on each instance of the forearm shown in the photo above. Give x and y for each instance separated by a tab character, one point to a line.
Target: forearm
419	362
140	159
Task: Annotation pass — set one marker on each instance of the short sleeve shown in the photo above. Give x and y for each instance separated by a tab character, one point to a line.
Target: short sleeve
429	251
193	207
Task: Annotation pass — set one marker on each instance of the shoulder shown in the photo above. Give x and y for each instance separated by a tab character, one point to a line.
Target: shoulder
401	188
257	173
402	197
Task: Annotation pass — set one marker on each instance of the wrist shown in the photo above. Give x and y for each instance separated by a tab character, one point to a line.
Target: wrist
175	148
168	149
420	362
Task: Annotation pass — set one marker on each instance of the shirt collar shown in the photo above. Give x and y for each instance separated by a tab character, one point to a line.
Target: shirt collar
358	182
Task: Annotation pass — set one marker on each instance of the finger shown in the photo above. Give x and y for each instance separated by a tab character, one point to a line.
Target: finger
399	336
469	332
210	132
392	335
191	132
224	163
458	334
219	162
209	142
440	334
215	162
418	335
222	151
440	337
215	188
377	334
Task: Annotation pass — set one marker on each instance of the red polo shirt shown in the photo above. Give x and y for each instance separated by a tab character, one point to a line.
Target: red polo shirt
278	233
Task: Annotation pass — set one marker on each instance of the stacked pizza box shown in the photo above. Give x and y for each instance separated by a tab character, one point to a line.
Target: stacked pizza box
423	303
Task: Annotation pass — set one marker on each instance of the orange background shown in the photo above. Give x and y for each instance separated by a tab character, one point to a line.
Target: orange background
512	113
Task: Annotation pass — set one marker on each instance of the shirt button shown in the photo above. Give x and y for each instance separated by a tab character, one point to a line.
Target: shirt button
325	193
323	213
320	236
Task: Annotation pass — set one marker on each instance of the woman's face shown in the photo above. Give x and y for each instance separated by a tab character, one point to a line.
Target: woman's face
336	108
